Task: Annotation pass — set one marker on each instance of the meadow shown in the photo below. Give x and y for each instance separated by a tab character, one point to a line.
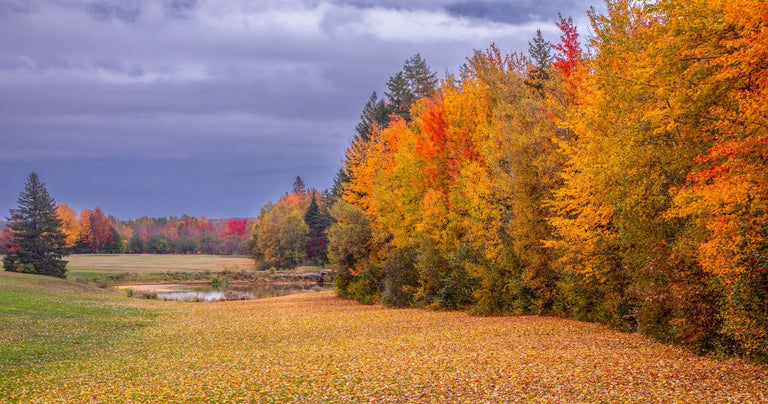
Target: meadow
98	266
64	341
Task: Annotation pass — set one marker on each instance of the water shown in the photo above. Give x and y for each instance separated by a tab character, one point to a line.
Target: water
186	292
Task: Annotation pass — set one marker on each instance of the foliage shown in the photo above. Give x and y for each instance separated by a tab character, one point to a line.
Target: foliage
37	243
189	235
95	229
70	226
280	234
624	184
159	244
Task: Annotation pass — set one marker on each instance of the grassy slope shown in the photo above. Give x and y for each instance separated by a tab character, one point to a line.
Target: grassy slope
83	344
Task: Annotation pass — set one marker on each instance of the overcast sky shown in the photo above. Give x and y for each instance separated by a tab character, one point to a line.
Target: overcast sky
171	107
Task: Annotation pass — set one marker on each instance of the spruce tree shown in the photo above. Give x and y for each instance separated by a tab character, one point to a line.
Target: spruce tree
400	96
422	80
298	186
317	220
375	114
38	243
539	50
414	82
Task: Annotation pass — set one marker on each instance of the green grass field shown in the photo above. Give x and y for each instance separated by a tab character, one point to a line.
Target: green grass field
68	342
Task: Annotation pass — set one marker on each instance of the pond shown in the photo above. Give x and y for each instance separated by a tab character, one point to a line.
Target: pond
206	292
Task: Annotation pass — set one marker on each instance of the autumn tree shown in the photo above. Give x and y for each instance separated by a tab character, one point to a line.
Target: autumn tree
70	226
5	240
38	244
710	63
96	231
279	236
349	249
624	184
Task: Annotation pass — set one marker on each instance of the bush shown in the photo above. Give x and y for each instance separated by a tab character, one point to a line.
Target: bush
24	268
159	244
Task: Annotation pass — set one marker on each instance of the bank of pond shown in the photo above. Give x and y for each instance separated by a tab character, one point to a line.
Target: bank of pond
199	292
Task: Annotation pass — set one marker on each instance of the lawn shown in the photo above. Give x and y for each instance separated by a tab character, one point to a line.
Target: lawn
66	342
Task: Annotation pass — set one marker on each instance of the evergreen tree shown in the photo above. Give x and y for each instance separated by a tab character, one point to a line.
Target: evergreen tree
317	220
422	80
414	82
38	243
375	114
338	183
298	186
400	96
539	50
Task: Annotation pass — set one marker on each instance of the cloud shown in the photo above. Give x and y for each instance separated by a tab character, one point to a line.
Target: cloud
272	87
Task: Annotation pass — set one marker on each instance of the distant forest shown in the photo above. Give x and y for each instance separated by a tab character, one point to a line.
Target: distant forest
93	231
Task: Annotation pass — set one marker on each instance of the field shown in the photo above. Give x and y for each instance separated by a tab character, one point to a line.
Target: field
95	265
68	342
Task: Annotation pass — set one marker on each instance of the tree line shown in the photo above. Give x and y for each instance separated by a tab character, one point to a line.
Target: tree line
93	231
623	182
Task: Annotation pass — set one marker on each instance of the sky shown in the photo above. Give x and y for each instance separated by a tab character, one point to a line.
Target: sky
201	107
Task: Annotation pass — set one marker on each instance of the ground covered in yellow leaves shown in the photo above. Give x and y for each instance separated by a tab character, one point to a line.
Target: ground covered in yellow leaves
85	345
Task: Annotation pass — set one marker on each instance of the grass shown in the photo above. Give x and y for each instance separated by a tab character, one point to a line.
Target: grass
110	268
47	322
81	264
66	342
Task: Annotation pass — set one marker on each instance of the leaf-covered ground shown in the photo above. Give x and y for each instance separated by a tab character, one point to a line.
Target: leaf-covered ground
317	348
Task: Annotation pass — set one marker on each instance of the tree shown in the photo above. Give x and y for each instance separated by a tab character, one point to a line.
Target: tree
38	243
185	245
422	81
116	246
96	230
569	50
69	224
539	49
317	220
5	240
136	244
399	95
375	114
407	86
279	235
159	244
298	186
236	227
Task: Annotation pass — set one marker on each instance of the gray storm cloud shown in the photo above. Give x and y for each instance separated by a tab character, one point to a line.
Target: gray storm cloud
165	97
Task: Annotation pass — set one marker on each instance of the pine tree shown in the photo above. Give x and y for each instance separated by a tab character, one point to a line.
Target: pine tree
38	242
317	220
400	96
412	83
539	49
375	114
298	186
422	80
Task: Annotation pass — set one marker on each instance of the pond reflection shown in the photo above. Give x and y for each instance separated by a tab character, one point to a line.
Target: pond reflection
199	293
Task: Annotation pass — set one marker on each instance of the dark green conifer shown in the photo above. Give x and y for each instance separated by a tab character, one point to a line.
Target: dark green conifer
38	243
